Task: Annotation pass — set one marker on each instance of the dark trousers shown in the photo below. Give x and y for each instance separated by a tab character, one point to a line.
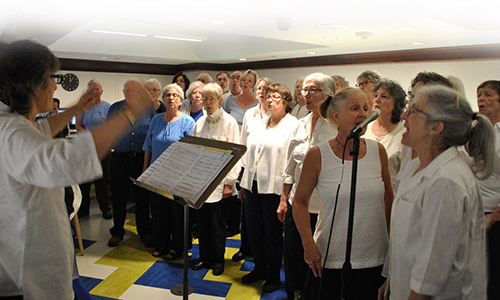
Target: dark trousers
231	208
294	264
364	284
265	232
245	242
167	218
101	190
123	166
493	237
211	232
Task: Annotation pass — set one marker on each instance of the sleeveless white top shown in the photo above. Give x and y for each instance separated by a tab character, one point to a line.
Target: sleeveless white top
370	241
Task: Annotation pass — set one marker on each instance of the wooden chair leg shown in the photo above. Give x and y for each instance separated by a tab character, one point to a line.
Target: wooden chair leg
76	225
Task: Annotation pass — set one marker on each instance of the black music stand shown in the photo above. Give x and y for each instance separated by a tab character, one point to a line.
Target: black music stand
237	151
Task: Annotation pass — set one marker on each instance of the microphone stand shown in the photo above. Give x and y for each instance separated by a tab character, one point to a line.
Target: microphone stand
347	268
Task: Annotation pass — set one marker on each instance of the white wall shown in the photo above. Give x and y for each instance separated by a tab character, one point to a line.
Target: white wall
472	73
112	85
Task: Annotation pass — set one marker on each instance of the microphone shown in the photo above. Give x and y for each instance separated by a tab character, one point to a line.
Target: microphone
371	117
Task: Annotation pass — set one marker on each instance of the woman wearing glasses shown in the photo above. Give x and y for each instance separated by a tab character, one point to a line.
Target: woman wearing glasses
437	247
262	183
316	89
367	81
388	129
324	171
216	125
166	215
37	256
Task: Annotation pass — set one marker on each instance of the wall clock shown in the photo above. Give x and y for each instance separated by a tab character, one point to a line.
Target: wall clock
70	82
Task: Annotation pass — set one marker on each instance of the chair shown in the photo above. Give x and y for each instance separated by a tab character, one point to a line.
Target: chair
77	201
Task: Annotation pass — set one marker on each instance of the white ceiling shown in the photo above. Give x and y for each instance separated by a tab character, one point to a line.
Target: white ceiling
255	30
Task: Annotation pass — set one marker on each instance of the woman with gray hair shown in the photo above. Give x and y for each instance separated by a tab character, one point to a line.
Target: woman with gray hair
437	246
299	109
216	125
236	106
367	81
166	215
316	89
154	88
387	129
193	105
327	169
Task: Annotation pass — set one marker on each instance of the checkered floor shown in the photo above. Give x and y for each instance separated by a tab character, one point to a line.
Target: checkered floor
130	272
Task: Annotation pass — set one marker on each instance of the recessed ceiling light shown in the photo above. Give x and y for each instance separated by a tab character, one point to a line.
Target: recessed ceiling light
104	57
311	52
149	59
335	27
405	28
330	38
119	33
418	43
242	59
218	22
177	38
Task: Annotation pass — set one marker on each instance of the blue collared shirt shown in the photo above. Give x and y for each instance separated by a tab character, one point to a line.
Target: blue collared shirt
134	139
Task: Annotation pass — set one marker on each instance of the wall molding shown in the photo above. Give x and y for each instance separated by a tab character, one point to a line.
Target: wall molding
489	51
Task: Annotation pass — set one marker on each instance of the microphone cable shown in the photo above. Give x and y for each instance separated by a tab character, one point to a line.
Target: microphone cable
333	220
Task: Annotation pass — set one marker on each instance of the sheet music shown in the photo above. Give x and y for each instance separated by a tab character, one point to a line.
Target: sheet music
186	170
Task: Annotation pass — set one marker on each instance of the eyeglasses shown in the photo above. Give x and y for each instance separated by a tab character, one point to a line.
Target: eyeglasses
413	109
362	84
175	95
274	98
154	90
208	99
312	90
57	78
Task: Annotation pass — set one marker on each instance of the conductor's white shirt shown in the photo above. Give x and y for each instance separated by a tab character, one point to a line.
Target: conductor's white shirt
37	252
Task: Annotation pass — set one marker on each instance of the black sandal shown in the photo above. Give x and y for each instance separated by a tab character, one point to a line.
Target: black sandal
158	252
171	255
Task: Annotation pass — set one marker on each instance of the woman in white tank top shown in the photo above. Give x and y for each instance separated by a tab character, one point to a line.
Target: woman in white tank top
322	170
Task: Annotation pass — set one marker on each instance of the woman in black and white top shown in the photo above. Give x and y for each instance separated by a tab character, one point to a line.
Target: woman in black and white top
322	170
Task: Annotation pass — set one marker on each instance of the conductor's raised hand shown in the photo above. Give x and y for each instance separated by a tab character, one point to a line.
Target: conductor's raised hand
85	102
139	100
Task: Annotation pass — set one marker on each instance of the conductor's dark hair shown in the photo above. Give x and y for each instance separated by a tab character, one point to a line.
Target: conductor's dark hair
25	68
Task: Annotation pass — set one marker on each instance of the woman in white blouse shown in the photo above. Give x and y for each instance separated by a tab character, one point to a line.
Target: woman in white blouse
37	252
324	171
387	129
488	101
317	88
437	247
262	183
217	125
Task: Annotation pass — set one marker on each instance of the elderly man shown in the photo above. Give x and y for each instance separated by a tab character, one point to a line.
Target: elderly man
205	78
127	161
234	85
154	88
222	79
87	121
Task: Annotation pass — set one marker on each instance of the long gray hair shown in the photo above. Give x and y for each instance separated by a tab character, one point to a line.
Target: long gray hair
462	127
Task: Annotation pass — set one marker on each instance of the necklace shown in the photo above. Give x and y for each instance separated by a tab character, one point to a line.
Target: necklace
341	145
213	121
